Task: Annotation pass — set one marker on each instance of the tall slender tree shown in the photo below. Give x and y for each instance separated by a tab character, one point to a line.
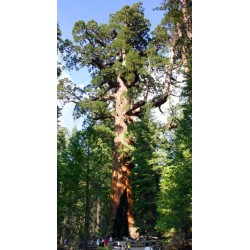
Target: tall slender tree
84	171
175	196
175	32
174	202
144	176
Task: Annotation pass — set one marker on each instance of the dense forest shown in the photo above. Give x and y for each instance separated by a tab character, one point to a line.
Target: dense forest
125	174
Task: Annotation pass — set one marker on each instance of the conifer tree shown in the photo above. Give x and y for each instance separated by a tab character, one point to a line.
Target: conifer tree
122	60
144	175
84	170
174	202
175	196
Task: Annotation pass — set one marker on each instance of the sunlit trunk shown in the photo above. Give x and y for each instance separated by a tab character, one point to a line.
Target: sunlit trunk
187	17
97	216
183	50
121	197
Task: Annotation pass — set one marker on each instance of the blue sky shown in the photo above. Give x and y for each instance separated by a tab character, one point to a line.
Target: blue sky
69	12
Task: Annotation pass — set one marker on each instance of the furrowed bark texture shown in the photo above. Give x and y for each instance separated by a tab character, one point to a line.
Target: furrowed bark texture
187	19
121	196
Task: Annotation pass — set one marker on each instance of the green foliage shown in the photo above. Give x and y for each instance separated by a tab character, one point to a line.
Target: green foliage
174	202
120	48
175	196
145	178
132	28
174	29
84	173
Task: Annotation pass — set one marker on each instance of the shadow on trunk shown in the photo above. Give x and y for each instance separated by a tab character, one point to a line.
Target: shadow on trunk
121	219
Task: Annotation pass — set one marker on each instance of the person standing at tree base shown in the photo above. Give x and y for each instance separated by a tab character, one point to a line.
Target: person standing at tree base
148	247
128	246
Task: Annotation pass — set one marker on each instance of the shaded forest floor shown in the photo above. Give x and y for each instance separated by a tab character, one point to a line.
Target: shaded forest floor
139	246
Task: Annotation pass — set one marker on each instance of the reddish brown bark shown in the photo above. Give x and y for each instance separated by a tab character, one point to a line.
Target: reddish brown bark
187	17
187	20
183	50
121	168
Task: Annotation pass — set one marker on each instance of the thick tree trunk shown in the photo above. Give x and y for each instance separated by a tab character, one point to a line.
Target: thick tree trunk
186	47
187	17
121	197
183	50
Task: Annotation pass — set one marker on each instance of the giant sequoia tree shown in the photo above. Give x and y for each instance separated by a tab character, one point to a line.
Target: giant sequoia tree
123	61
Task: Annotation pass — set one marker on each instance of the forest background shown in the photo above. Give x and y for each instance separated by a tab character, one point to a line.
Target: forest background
220	125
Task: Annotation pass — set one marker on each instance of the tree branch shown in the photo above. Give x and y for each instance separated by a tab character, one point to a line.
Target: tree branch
103	117
136	108
97	62
103	98
89	32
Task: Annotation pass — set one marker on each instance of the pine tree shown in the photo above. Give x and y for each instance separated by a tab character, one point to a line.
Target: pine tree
144	176
174	34
84	172
174	200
